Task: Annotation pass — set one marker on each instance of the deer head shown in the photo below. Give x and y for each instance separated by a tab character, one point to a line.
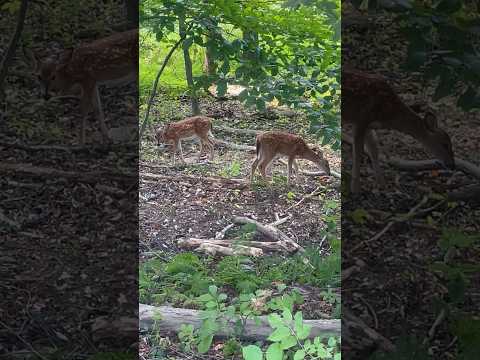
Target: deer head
437	140
51	72
160	135
315	155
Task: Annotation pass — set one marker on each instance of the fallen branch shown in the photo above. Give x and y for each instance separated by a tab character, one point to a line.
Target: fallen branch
313	193
168	319
468	194
460	164
76	176
238	182
208	248
280	221
234	146
313	173
221	234
356	330
272	233
408	216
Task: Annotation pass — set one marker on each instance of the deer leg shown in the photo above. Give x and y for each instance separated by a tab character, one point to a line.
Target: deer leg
201	151
291	160
181	151
212	149
86	107
371	144
174	150
358	142
264	165
101	117
297	172
254	167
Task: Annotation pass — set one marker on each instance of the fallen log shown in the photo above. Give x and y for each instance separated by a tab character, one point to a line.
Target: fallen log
460	164
233	243
469	193
214	249
168	319
92	177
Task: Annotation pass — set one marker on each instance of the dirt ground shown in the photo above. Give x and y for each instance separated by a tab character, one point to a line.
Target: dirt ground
199	208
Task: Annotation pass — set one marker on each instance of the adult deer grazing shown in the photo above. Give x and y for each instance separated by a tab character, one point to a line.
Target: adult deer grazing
109	61
273	144
196	127
369	103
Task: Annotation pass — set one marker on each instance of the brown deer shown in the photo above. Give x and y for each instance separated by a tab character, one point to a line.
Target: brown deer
190	128
109	61
273	144
369	103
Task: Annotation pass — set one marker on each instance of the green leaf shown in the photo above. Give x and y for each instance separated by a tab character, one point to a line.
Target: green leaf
322	352
332	342
204	344
298	320
275	320
211	305
274	352
304	331
212	289
221	87
360	216
243	95
205	298
456	288
252	352
299	355
288	342
279	334
260	104
448	6
287	315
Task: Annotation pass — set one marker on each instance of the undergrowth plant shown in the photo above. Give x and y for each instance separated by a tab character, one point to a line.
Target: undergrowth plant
464	325
289	340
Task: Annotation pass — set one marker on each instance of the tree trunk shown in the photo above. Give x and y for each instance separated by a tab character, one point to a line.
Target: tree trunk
13	43
154	89
132	11
210	66
188	67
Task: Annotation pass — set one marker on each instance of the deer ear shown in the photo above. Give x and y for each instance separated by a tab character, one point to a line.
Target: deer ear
431	120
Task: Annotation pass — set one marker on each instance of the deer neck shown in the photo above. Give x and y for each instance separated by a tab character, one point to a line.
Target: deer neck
409	123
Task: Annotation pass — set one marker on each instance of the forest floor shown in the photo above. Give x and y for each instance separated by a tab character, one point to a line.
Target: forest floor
190	205
396	292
